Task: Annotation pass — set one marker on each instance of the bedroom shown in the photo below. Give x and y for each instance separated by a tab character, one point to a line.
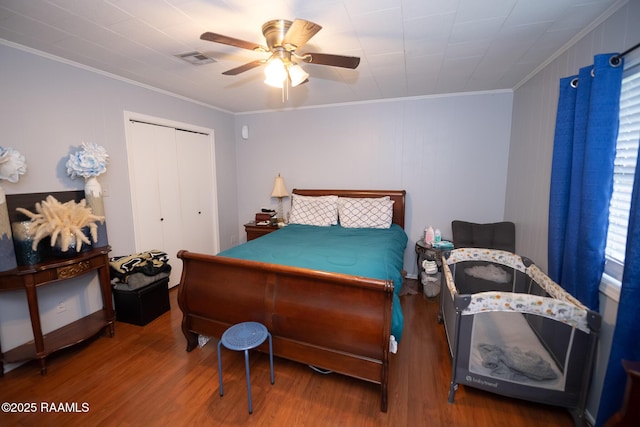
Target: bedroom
420	145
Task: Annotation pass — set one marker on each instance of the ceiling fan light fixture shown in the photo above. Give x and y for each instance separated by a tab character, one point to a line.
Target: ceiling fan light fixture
275	73
284	39
297	75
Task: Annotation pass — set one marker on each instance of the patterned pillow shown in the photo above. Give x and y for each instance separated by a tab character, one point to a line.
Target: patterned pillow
308	210
365	213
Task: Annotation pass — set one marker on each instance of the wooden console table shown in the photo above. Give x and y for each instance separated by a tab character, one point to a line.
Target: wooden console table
47	273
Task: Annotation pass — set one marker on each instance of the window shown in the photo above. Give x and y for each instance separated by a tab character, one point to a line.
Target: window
624	169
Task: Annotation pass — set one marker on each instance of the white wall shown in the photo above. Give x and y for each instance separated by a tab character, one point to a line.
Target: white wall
449	152
48	109
534	112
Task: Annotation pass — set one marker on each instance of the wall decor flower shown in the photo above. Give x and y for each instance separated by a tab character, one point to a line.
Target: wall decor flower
12	164
89	162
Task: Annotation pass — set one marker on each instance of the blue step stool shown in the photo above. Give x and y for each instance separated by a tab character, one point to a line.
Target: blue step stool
244	337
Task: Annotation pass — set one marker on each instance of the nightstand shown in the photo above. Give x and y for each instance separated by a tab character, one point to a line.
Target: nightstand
254	231
425	251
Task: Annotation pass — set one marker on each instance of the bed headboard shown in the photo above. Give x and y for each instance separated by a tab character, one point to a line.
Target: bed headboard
398	196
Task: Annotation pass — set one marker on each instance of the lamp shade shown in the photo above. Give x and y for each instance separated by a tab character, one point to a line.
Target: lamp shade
279	189
297	75
275	73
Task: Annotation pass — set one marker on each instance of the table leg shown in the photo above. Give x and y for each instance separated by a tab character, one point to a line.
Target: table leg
220	367
43	366
273	380
246	366
36	327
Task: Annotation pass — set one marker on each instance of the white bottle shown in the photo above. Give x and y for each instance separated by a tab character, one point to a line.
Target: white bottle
437	235
428	234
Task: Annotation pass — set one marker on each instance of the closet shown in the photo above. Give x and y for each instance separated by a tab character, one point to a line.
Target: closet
171	173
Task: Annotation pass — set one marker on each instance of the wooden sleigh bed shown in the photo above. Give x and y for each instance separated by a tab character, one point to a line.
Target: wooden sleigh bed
334	321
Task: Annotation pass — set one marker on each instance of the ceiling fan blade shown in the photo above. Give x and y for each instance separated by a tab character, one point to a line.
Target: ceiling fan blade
246	67
300	32
219	38
333	60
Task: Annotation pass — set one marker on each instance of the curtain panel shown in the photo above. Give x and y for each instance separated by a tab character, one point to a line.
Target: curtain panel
626	343
582	177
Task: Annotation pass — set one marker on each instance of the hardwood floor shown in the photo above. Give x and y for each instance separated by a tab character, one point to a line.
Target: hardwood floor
144	376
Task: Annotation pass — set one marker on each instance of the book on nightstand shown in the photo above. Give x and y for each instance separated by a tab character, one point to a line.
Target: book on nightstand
264	216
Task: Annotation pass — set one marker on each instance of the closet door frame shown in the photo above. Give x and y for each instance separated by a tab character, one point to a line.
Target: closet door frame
132	116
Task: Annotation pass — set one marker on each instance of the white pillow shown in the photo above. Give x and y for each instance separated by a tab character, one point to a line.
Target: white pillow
365	212
309	210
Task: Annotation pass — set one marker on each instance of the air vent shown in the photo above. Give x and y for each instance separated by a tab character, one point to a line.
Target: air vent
196	58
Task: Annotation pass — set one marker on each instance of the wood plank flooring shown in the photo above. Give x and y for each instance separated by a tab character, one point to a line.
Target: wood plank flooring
144	376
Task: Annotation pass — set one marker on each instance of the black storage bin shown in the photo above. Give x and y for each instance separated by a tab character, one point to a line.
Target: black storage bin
141	306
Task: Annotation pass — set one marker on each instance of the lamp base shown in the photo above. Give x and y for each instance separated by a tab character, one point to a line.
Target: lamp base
279	212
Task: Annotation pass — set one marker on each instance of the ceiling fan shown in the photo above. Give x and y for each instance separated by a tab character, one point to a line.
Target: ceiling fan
284	38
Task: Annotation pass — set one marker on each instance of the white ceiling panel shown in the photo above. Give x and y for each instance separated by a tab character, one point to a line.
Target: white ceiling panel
98	11
576	15
427	28
24	30
474	10
406	47
527	12
473	30
418	9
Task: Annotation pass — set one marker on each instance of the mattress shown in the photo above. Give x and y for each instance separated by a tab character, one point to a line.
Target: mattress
507	336
373	253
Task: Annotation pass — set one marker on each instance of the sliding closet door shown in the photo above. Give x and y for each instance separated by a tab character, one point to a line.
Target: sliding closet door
171	176
195	175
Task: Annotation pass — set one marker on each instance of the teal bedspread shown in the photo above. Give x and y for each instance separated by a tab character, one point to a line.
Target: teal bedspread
374	253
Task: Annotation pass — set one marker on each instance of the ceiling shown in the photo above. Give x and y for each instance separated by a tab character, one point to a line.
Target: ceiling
407	47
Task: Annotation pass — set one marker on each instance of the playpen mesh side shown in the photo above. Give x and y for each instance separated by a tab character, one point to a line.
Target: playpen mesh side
527	289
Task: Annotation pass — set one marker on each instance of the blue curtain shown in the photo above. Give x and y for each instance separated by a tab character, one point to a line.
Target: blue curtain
582	177
626	338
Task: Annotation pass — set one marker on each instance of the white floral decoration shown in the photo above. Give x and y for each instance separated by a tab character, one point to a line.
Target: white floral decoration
12	164
90	161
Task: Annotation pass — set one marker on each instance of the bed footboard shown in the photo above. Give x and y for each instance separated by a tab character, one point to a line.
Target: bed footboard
334	321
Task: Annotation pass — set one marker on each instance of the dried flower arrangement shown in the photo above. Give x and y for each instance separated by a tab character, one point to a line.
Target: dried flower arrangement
63	219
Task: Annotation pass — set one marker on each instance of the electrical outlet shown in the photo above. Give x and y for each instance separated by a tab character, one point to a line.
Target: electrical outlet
61	307
234	239
106	191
